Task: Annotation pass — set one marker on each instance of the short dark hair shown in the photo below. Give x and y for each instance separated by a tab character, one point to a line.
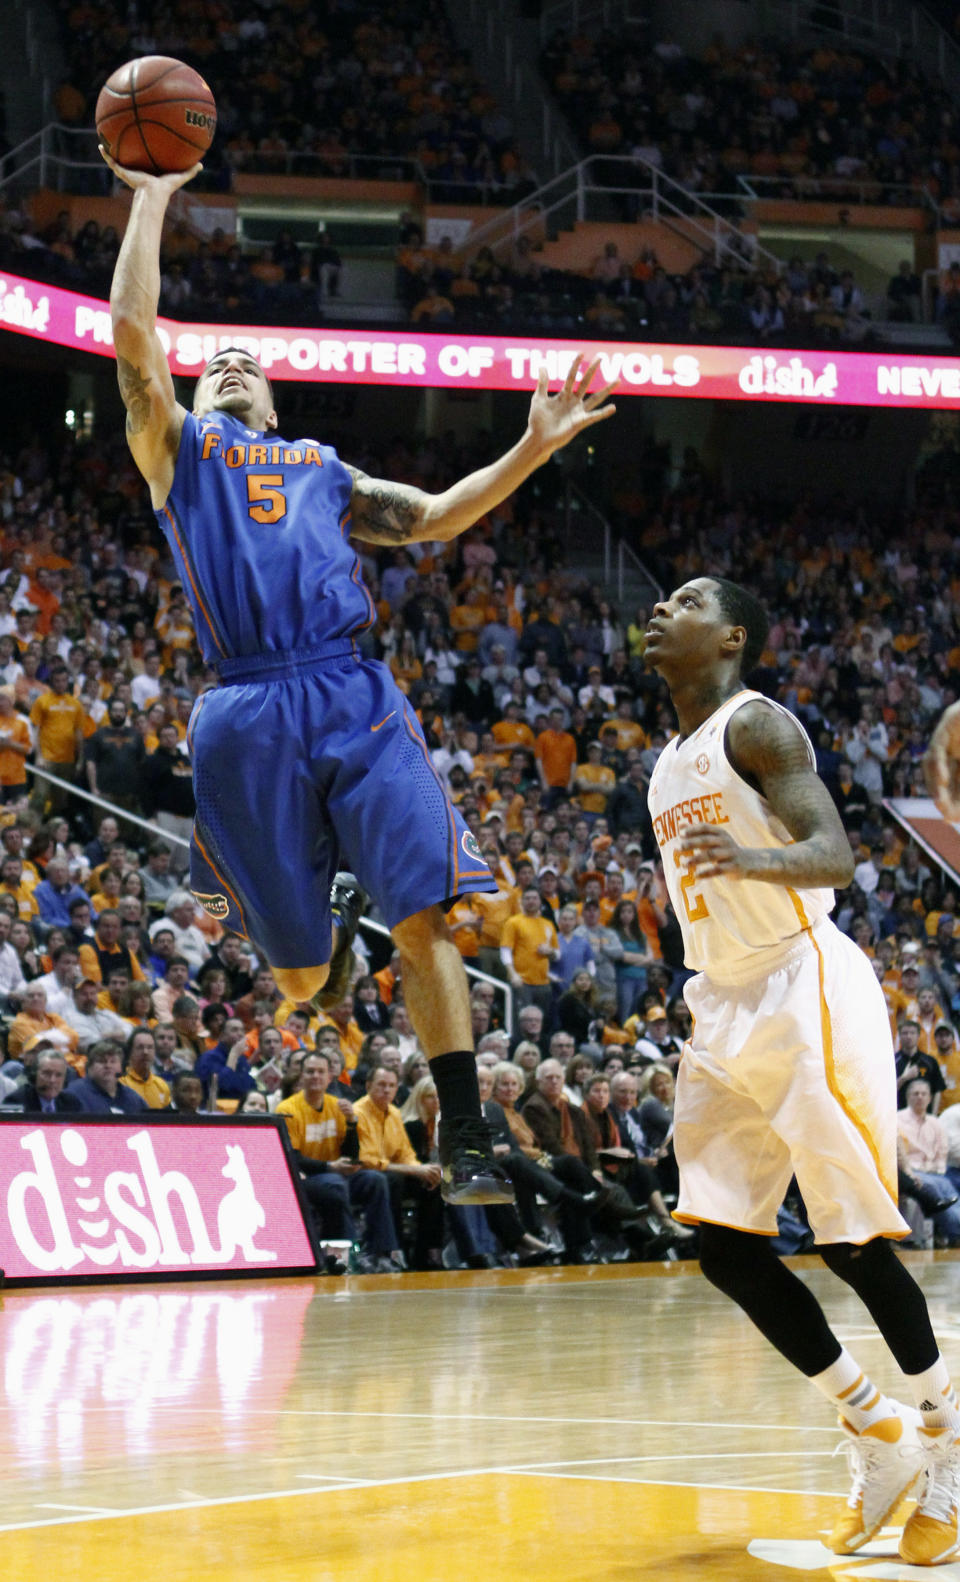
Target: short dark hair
184	1076
105	1047
133	1036
222	353
744	610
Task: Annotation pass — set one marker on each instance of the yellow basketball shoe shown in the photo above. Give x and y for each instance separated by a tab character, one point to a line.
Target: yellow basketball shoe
885	1462
930	1536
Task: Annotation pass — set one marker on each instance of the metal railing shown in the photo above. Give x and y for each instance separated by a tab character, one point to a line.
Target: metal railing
65	159
620	562
578	194
572	15
886	27
39	57
111	808
836	189
493	24
159	833
54	157
895	28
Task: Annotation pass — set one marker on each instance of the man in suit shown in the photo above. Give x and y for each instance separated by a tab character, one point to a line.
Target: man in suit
100	1092
624	1092
46	1094
527	1178
561	1130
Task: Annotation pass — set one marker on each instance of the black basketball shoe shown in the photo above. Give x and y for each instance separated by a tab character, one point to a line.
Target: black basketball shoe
470	1171
347	901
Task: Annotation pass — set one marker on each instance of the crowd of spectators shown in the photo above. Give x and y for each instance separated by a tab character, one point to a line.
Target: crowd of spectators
541	718
792	114
635	298
618	297
353	89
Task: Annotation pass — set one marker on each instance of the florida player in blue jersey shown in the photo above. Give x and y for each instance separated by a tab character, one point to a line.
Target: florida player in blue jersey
307	755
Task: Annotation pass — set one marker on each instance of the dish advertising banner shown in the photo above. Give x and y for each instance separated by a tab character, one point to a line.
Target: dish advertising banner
500	362
89	1197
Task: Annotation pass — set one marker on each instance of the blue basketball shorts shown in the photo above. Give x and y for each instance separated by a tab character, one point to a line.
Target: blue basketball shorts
303	767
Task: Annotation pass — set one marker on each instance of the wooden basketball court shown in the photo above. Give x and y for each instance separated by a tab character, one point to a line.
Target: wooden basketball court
597	1424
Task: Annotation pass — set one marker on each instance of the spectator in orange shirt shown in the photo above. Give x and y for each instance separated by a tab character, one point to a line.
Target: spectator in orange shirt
468	618
528	944
264	1013
432	307
174	625
388	978
59	720
43	598
513	728
593	782
556	754
11	883
341	1017
34	1018
105	950
488	760
628	732
614	891
15	746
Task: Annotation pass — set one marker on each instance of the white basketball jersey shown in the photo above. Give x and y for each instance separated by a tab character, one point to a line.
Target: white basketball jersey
725	921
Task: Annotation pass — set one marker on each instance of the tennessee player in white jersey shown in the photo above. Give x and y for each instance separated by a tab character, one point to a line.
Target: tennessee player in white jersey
790	1068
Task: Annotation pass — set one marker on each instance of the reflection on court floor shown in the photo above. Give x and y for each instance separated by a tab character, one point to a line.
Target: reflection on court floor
599	1424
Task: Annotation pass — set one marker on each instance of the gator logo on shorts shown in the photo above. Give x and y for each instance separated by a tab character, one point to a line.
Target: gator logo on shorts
215	905
703	764
471	846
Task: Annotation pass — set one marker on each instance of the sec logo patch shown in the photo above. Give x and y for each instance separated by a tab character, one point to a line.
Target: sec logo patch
471	847
703	763
216	905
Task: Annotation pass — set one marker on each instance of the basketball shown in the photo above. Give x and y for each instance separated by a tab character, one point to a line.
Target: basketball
156	114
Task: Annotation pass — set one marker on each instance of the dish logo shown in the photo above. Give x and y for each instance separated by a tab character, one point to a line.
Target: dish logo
792	379
144	1218
17	309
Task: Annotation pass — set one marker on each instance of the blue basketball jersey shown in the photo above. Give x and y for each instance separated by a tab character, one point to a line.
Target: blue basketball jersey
258	527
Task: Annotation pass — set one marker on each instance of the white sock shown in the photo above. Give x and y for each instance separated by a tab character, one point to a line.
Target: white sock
935	1396
856	1398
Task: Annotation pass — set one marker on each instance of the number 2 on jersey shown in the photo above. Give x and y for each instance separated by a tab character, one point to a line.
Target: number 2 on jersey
696	906
267	501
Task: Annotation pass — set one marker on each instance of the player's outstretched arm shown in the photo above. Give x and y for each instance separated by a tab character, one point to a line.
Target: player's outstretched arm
395	513
154	419
941	766
768	750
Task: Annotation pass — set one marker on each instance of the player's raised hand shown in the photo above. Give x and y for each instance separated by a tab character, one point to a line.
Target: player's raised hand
168	183
555	420
941	766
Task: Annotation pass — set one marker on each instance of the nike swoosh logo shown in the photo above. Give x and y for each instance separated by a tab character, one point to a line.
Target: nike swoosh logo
383	721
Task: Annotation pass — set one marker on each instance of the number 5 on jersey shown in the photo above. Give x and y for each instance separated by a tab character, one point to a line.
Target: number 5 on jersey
266	499
696	906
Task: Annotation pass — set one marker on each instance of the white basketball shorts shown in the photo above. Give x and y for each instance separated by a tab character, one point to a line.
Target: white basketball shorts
791	1072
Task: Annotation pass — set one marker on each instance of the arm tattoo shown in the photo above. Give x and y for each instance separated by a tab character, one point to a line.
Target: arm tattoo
133	389
769	751
384	513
